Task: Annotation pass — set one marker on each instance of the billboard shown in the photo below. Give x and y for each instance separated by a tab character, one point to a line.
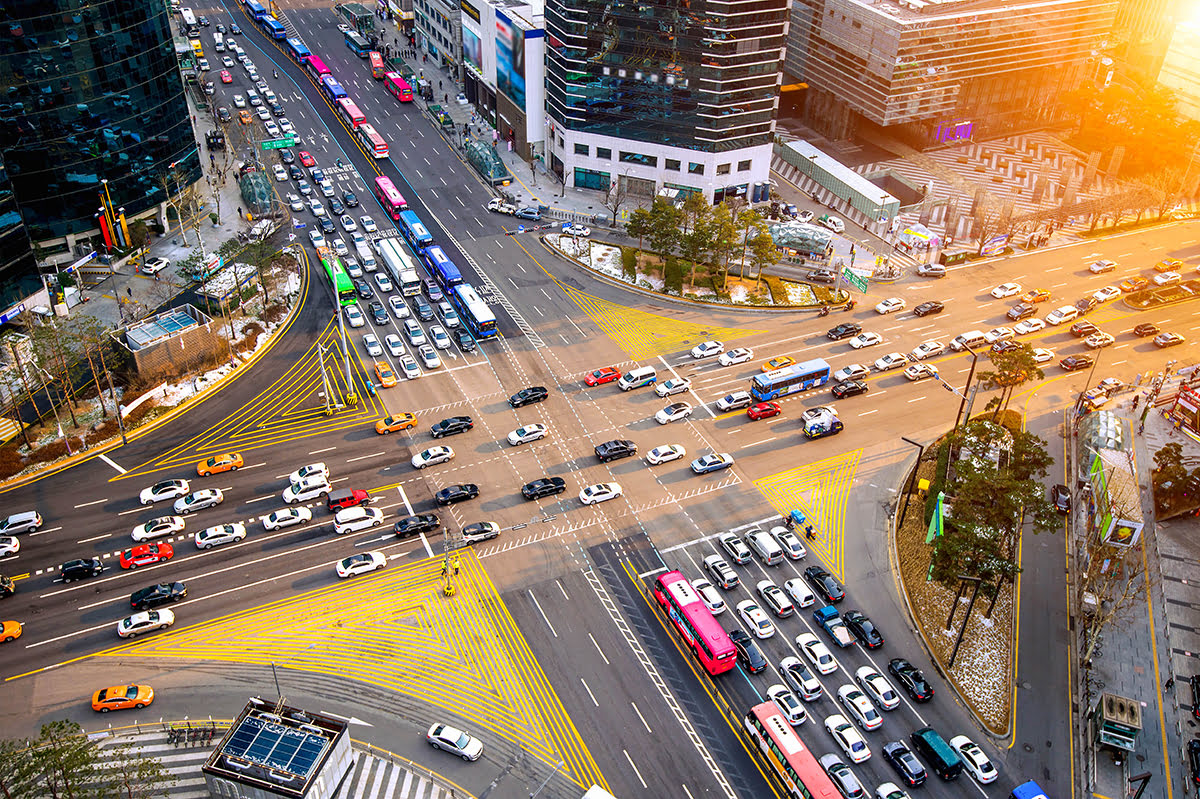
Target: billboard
510	60
472	49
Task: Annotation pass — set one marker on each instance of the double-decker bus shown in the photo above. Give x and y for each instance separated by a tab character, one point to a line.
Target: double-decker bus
398	87
273	28
315	67
332	89
349	112
694	622
371	141
297	50
475	313
357	44
255	9
339	281
390	198
794	767
377	67
442	267
414	230
790	379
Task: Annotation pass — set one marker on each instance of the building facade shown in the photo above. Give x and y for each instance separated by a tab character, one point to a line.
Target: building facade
1142	32
1181	68
643	95
20	285
439	34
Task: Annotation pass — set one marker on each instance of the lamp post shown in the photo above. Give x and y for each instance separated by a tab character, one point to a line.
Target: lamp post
53	407
911	478
966	391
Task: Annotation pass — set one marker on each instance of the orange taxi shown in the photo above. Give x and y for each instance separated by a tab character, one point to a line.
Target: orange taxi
122	697
1169	265
397	421
227	462
10	631
387	378
778	363
1035	295
1136	283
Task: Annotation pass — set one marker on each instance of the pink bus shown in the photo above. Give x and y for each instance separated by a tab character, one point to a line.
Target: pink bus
695	623
349	112
392	200
315	67
398	87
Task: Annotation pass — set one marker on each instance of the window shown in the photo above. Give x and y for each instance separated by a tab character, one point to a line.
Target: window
604	153
672	165
722	169
743	166
591	179
582	149
695	169
639	158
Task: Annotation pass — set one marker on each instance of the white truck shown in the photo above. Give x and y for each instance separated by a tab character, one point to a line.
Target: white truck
825	423
399	266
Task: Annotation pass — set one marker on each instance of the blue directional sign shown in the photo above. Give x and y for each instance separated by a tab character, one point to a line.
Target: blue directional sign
299	225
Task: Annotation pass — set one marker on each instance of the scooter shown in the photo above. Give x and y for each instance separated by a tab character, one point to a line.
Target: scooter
824	311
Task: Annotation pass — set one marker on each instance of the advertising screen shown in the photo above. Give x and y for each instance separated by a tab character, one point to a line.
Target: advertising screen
472	49
510	60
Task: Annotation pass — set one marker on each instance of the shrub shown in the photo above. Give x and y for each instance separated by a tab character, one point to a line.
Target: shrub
672	276
629	262
779	295
11	461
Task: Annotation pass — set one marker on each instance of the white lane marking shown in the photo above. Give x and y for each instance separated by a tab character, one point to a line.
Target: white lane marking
598	649
112	463
544	617
87	504
643	718
319	451
94	538
589	692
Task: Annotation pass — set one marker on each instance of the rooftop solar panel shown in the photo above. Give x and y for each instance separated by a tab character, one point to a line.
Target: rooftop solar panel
266	743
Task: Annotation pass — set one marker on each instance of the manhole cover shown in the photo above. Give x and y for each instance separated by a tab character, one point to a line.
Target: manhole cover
1140	758
1027	747
1026	686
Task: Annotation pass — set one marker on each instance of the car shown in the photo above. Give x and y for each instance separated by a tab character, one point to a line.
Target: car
712	463
800	679
224	114
931	270
1146	329
449	315
199	500
863	628
1163	340
315	207
673	413
454	741
432	457
847	737
998	334
707	349
778	362
843	778
361	563
154	595
876	687
79	569
735	356
429	358
385	375
911	679
974	760
354	316
748	653
543	487
890	305
763	410
203	20
528	396
296	174
239	101
1110	385
9	545
901	758
854	371
821	276
844	330
398	306
371	345
927	349
319	469
286	126
774	599
921	371
379	315
1028	326
788	704
929	308
421	522
1060	497
1021	311
307	160
155	265
817	653
736	547
459	492
735	401
859	707
122	697
528	213
1006	290
395	422
1169	265
721	572
789	543
146	621
234	29
501	207
848	388
432	290
600	492
576	229
527	433
263	114
286	517
598	377
1107	293
1099	340
831	222
340	248
615	449
1074	363
1042	355
165	489
351	201
866	340
409	367
157	528
1100	267
1034	296
1136	283
220	534
1085	304
823	583
709	595
1083	328
317	238
677	385
295	202
273	131
452	426
1167	279
893	360
368	224
327	189
1006	345
416	336
245	117
664	453
146	554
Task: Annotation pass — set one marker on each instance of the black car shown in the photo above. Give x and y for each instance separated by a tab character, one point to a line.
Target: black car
528	396
929	308
821	276
295	172
1021	311
911	679
863	628
451	426
823	583
1006	345
336	207
849	388
465	342
543	487
202	20
349	199
414	525
7	586
1061	497
1086	304
1083	328
379	314
287	156
80	569
224	114
234	29
326	225
1073	363
422	308
277	109
154	595
364	290
1193	756
432	290
1194	683
844	330
617	448
748	653
456	493
901	758
1146	329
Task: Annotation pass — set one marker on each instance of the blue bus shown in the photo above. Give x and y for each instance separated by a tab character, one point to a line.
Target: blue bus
332	89
357	44
1028	790
297	50
273	28
788	380
442	267
475	313
256	10
414	230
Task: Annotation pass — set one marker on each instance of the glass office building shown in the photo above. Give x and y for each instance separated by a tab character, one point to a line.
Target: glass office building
91	91
19	278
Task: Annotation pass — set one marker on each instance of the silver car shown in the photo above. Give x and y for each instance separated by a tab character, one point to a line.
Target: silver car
440	339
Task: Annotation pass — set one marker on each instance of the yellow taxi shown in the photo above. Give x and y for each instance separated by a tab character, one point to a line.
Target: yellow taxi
1136	283
398	421
778	363
387	378
244	117
1169	265
122	697
10	631
1035	295
228	462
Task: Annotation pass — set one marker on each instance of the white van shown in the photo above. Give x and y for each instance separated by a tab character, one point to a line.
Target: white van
972	339
365	256
219	42
766	547
636	378
351	520
24	522
1060	315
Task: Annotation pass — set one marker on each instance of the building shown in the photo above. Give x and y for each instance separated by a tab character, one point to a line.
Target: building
1181	68
439	33
1142	32
934	72
655	94
20	286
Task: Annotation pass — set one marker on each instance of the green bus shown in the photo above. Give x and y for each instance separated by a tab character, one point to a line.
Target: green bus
338	279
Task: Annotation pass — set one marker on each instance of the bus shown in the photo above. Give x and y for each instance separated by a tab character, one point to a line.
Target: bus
315	67
339	281
371	141
414	230
695	623
390	198
349	112
377	67
398	87
475	313
256	10
399	266
442	267
794	767
1028	790
273	28
297	51
357	44
189	18
788	380
332	89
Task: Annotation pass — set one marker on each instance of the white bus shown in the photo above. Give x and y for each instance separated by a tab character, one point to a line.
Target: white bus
189	19
401	268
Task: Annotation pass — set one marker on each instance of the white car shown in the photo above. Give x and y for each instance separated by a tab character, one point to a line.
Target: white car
735	401
339	247
326	187
199	500
854	371
921	371
352	520
316	238
890	790
876	687
394	345
1167	279
368	224
432	457
890	305
1043	355
676	385
737	549
409	367
1102	266
449	315
709	595
295	202
281	174
755	618
832	222
600	492
1027	326
1099	340
998	334
974	759
530	432
859	707
371	345
817	653
735	356
1105	294
271	128
263	114
576	229
664	453
383	282
707	349
789	543
157	528
1006	290
774	598
800	678
348	224
788	704
311	470
354	316
673	413
145	622
361	563
286	517
865	340
429	358
315	207
399	307
801	595
313	487
220	534
286	126
893	360
441	340
166	489
927	349
441	736
239	101
848	738
11	545
304	188
416	336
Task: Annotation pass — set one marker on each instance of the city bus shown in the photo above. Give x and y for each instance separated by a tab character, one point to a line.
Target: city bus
414	230
475	313
794	767
390	198
788	380
377	67
315	67
371	141
189	18
332	89
398	87
1028	790
357	44
442	267
694	622
297	51
256	10
349	112
273	28
339	280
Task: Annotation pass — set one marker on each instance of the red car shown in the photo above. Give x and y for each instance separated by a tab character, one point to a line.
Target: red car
601	376
226	77
763	410
145	554
307	159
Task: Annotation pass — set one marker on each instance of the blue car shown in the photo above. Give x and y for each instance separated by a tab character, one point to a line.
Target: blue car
528	213
712	463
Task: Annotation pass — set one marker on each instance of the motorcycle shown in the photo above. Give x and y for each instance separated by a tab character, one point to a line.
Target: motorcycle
824	311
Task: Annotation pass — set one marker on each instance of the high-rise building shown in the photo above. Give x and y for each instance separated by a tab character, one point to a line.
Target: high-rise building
19	279
647	94
1142	32
1181	68
91	92
439	33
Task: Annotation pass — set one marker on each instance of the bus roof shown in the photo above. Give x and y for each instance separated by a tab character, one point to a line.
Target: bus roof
1028	790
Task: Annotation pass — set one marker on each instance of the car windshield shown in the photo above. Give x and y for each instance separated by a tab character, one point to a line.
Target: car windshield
462	741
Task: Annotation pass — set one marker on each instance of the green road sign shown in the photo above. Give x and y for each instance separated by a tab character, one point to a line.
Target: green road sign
290	141
859	283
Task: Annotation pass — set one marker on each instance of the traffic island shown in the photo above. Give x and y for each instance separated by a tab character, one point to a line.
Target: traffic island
1160	296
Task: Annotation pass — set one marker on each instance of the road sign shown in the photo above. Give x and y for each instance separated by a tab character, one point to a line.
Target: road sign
520	228
858	282
279	144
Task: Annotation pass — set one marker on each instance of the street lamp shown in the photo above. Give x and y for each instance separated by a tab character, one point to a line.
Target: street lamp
966	391
53	407
911	478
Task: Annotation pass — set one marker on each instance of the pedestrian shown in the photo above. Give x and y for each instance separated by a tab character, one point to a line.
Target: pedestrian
1136	399
1170	683
129	291
455	564
445	565
808	533
239	212
439	85
447	97
156	277
1142	427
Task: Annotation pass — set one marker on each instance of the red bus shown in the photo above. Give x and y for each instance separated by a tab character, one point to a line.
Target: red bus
377	67
392	200
316	67
349	112
374	144
398	87
695	623
794	767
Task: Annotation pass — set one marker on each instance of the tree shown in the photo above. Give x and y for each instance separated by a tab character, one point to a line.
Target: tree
67	760
617	197
130	774
92	340
1014	368
259	254
139	237
640	223
1171	481
763	252
55	357
666	219
696	234
725	237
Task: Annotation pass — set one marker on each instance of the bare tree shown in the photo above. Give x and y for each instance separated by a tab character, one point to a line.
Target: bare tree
617	197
